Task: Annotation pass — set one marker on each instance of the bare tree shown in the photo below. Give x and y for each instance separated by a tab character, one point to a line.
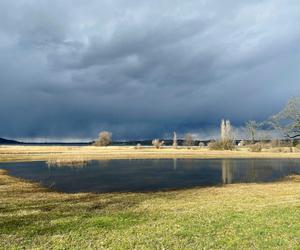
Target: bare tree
104	139
188	140
157	144
227	138
287	121
174	140
226	130
251	128
229	132
223	130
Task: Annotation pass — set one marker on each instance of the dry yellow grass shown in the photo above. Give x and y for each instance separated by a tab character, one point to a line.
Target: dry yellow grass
36	153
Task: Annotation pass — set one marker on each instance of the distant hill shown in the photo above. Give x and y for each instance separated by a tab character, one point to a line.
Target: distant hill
8	142
14	142
168	142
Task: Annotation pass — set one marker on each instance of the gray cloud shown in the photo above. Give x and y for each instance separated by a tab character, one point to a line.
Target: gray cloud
143	68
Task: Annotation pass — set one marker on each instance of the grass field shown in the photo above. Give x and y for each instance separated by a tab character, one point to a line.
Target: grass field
236	216
252	216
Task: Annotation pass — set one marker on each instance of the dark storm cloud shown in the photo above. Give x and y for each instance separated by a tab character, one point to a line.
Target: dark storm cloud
143	68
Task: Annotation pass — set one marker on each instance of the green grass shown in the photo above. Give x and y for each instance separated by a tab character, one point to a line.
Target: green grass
253	216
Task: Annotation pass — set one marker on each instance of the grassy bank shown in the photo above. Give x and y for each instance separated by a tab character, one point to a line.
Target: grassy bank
252	216
35	153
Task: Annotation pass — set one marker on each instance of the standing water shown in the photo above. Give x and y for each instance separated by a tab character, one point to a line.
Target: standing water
151	175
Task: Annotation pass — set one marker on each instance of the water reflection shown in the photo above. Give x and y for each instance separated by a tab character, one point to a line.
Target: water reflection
227	171
73	163
151	175
255	170
174	163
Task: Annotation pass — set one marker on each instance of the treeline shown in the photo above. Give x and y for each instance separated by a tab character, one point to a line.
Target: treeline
285	124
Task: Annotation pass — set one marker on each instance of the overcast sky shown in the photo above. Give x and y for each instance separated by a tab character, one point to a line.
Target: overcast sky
141	68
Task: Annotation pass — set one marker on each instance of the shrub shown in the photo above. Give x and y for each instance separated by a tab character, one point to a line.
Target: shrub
104	139
157	144
228	145
214	145
188	140
293	143
221	145
257	147
296	143
276	143
276	150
